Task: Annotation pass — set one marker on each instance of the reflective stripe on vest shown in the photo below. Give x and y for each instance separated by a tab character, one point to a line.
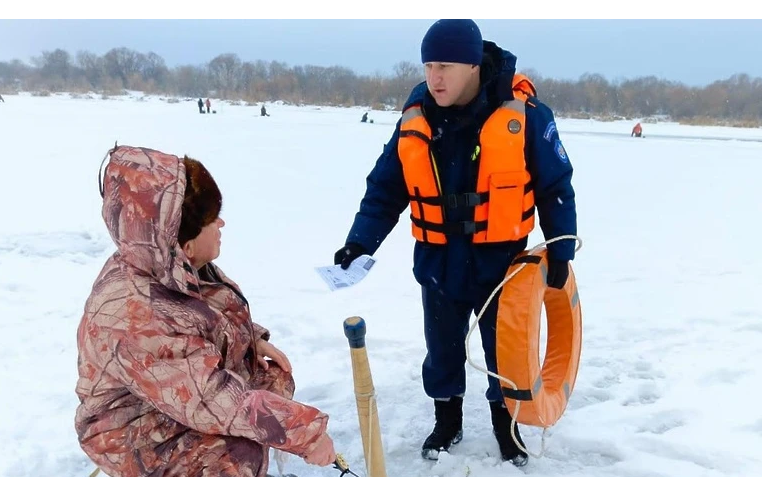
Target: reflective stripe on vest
503	201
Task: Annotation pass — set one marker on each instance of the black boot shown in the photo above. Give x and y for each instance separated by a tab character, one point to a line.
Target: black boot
448	429
501	427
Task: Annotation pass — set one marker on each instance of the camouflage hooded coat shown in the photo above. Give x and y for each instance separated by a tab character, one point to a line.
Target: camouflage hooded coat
169	382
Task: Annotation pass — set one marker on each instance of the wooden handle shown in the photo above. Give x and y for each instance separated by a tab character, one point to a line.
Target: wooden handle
367	411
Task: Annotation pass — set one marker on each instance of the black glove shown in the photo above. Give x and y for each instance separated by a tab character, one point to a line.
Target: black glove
347	254
558	273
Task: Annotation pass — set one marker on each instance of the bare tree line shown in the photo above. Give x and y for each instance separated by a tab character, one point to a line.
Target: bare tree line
733	101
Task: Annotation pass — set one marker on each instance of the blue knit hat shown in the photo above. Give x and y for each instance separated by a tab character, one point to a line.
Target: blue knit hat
453	41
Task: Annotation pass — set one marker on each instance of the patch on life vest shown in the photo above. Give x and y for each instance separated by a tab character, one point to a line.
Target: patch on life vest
561	152
549	131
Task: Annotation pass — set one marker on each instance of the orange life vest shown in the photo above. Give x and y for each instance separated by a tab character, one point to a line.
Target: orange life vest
503	201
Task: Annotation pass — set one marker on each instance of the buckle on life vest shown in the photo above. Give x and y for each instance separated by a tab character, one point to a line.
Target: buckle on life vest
464	228
451	228
469	199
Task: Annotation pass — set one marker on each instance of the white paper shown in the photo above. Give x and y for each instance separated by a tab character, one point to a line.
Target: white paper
336	278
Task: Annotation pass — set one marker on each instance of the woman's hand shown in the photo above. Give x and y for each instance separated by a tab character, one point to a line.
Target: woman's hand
323	454
265	349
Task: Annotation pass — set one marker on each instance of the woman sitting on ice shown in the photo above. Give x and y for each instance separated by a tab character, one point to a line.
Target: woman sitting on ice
174	377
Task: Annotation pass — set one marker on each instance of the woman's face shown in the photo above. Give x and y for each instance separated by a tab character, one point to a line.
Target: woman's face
206	247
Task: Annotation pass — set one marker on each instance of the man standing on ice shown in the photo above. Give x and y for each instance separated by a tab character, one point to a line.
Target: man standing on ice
473	155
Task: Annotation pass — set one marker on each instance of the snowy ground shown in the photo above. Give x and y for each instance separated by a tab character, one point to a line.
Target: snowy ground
668	277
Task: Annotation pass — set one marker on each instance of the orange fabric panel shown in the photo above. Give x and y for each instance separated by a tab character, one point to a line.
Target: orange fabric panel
419	173
502	173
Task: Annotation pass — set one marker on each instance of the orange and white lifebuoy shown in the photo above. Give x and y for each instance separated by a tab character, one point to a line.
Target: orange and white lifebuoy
542	389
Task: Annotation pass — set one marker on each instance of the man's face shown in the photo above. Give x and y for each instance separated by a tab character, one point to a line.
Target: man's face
448	82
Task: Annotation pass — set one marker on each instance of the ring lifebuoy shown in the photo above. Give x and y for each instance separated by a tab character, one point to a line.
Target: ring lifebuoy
543	389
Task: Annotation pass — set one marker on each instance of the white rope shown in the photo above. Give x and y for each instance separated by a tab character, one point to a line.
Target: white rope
371	396
514	414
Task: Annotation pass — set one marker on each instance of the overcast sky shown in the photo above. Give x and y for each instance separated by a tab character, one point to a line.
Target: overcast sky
694	52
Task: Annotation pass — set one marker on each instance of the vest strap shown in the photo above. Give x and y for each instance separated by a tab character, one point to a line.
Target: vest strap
454	201
451	228
415	133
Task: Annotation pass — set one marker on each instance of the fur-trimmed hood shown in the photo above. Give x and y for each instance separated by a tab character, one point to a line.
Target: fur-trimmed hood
202	202
143	196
